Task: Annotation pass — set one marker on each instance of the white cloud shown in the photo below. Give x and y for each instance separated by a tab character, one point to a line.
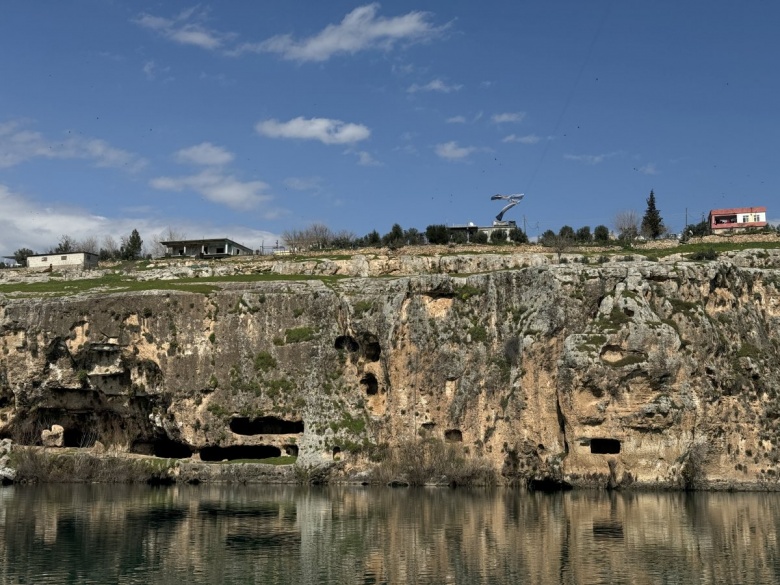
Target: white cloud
590	159
26	223
456	120
218	187
435	85
18	146
360	30
365	159
325	130
527	139
205	154
451	150
186	28
648	169
508	117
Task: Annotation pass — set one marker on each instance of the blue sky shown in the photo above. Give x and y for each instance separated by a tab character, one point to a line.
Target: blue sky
248	118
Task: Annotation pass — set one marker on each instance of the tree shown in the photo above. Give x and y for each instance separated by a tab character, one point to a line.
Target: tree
131	246
480	238
546	239
498	237
88	244
21	255
343	240
652	224
583	234
395	237
518	236
437	234
66	245
566	232
627	226
169	235
413	237
601	234
373	239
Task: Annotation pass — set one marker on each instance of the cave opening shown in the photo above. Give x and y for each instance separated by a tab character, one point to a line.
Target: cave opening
370	384
371	348
604	446
162	447
453	436
265	425
347	342
79	437
239	452
291	450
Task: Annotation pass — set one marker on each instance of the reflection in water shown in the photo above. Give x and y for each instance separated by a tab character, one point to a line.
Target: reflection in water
225	534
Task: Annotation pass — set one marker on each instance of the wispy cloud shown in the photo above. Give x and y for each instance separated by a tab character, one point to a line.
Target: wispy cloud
360	30
451	150
18	145
508	118
205	154
648	169
218	187
590	159
456	120
434	85
325	130
366	159
186	28
27	223
527	139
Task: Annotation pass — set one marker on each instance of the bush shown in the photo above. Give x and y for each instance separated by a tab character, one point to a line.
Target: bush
518	236
601	234
498	237
437	234
708	254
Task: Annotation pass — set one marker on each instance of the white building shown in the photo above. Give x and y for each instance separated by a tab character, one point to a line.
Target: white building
82	260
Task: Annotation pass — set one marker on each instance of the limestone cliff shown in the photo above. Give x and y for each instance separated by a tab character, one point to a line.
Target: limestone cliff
622	373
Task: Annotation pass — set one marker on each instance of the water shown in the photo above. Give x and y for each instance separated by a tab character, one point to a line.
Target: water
272	534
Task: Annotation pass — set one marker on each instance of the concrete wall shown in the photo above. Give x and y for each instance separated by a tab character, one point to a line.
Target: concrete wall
73	260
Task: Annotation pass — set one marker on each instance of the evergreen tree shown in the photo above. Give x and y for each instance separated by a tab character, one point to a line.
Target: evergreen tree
518	236
437	234
21	255
652	224
601	233
131	246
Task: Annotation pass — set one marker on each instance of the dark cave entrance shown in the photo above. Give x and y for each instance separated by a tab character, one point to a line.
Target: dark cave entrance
453	436
347	342
266	425
604	446
162	447
370	384
239	452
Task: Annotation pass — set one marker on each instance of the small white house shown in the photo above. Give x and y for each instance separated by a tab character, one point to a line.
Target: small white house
206	248
82	260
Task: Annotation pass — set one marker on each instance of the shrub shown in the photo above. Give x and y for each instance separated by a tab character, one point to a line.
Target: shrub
708	254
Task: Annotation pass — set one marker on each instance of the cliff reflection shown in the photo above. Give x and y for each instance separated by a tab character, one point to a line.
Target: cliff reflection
225	534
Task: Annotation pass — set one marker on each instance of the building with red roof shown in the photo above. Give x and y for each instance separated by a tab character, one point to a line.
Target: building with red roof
737	218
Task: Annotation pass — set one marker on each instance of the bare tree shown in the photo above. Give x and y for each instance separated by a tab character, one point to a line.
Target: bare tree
109	249
292	239
627	226
320	235
89	245
169	235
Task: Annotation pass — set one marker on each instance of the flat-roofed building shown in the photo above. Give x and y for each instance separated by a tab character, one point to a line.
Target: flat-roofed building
82	260
737	218
206	248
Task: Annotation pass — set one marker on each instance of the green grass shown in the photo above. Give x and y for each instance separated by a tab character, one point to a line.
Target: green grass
115	282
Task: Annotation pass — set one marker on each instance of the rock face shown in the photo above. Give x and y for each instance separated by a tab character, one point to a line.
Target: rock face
626	373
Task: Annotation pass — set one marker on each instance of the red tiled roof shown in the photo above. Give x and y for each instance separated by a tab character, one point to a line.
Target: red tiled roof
735	210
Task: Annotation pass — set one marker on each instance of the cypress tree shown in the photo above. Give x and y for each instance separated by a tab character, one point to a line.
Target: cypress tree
652	224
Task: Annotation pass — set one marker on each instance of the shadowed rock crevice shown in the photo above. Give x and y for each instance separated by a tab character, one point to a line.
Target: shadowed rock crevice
239	452
266	425
369	384
347	342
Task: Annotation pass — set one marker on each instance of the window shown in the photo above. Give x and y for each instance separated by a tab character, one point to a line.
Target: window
63	257
220	250
43	259
745	218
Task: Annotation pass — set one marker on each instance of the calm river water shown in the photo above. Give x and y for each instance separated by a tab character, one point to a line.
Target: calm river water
270	534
